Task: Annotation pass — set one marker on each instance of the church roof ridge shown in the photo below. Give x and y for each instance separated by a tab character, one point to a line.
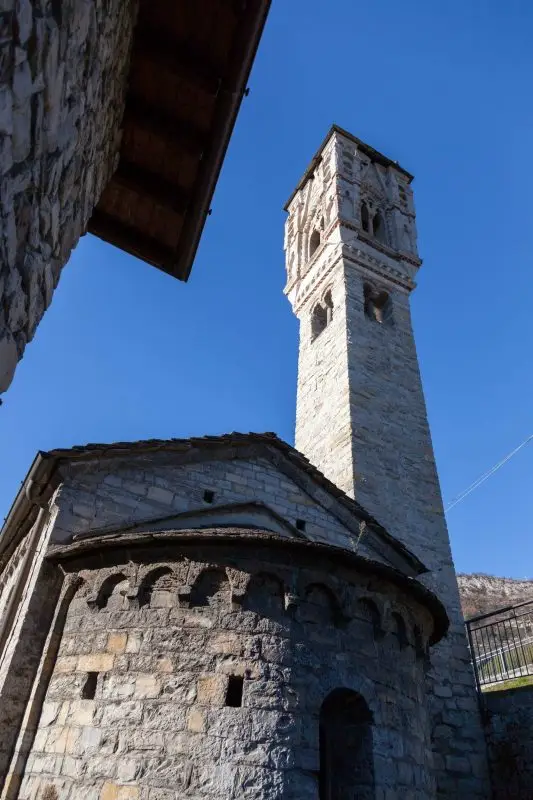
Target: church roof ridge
40	482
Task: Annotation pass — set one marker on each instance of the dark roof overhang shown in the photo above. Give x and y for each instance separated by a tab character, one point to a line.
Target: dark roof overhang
189	71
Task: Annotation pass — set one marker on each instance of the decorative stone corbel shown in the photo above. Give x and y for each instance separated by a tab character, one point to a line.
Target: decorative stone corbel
91	600
239	585
237	598
184	595
292	594
133	594
292	601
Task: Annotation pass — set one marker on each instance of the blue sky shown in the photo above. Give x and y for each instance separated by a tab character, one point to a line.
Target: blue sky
126	352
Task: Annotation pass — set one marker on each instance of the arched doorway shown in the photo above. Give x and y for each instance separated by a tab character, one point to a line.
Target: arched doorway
346	757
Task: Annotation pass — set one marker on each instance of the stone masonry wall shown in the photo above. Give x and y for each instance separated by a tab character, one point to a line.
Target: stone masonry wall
509	728
116	494
139	705
63	69
149	491
361	415
395	477
323	424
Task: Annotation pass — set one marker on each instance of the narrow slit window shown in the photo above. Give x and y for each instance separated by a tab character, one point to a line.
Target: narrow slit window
319	320
378	228
365	218
234	691
89	687
328	304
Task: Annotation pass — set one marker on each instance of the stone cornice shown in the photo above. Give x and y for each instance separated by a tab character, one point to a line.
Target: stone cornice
378	268
383	248
84	552
341	250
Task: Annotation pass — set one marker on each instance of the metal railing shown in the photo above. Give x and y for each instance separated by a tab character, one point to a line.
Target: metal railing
501	644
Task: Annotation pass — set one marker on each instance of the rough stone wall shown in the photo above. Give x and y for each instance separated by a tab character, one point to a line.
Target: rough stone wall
384	456
162	633
324	430
63	69
509	728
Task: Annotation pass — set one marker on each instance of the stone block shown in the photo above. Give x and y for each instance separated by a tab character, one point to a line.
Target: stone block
114	791
147	686
160	495
81	712
226	643
49	713
126	711
116	643
66	664
196	721
134	642
57	740
95	662
458	764
211	690
164	664
443	691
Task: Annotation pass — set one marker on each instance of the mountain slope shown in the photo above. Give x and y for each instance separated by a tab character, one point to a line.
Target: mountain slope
482	593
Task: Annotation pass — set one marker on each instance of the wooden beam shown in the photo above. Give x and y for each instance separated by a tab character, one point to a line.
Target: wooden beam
179	58
127	238
141	114
146	183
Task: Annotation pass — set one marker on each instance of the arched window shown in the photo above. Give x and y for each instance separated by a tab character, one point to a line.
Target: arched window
265	595
346	757
367	611
378	228
319	606
421	649
314	243
399	630
319	320
365	219
113	593
211	588
158	589
382	307
377	304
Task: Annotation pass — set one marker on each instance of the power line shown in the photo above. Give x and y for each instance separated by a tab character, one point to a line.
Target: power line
487	474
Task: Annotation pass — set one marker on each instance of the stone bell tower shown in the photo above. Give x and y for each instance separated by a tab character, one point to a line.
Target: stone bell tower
352	259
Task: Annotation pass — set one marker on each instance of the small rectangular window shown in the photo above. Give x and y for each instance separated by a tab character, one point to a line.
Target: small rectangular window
234	691
209	496
89	687
300	524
